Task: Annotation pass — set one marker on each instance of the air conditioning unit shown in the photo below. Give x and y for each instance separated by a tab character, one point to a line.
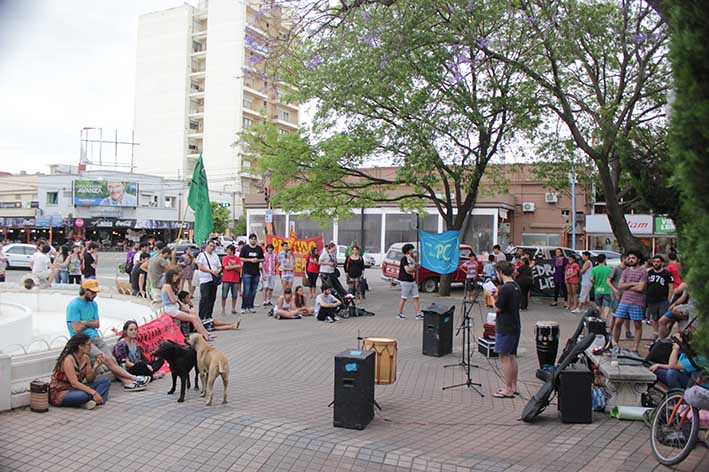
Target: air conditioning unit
528	207
551	197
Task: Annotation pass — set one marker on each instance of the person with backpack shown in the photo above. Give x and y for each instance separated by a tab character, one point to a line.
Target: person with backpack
129	263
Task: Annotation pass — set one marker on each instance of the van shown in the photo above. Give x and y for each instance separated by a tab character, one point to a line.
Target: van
427	280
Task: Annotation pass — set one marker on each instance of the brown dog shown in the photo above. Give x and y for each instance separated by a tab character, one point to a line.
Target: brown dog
211	363
124	288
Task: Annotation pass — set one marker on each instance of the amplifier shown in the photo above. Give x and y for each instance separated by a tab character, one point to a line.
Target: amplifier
486	347
354	389
575	384
437	330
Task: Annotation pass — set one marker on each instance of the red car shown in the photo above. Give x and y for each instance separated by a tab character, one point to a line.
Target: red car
428	280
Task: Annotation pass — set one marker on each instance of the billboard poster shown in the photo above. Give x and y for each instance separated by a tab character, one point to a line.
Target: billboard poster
105	193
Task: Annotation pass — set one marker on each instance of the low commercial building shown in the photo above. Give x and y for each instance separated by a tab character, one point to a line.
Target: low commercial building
523	211
657	233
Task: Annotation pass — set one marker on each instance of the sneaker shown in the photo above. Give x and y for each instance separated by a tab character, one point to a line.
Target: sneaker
577	310
329	319
142	379
629	335
252	310
133	387
648	322
243	311
553	304
419	316
89	405
337	318
401	316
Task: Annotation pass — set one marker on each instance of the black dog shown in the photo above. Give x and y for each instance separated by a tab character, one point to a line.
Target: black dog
182	360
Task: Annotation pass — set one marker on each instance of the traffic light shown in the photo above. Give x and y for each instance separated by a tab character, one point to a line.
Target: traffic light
267	194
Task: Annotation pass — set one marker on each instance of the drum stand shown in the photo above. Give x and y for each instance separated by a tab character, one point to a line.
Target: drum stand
465	326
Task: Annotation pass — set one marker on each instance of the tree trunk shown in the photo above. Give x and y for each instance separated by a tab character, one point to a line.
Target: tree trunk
616	216
444	285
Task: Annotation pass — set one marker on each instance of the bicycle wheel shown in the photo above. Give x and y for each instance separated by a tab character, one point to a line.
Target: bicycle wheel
672	442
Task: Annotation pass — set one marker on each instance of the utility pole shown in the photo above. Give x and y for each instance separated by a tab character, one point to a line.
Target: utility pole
573	204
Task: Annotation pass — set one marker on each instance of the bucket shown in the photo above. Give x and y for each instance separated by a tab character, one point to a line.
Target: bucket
39	396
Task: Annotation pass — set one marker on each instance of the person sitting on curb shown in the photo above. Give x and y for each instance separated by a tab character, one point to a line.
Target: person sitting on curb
73	367
285	307
684	364
326	305
301	303
82	317
185	301
679	312
128	353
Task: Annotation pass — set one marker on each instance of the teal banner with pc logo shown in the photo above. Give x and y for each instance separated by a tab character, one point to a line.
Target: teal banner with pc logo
440	252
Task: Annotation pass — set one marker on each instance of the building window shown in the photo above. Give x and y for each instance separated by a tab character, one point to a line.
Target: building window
480	232
52	198
170	202
248	123
535	239
194	125
248	103
402	227
306	227
284	115
282	131
368	235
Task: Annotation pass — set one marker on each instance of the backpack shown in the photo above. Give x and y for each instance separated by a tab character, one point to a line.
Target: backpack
129	265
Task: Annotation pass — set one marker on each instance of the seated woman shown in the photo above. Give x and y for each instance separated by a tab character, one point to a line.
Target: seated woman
185	300
285	307
171	303
128	352
301	303
683	365
67	387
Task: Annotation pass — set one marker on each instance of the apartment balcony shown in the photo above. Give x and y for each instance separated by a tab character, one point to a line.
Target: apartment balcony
254	28
254	112
201	54
284	123
255	92
198	75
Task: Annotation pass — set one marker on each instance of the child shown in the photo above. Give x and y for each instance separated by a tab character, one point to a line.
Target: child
489	268
470	267
185	300
572	281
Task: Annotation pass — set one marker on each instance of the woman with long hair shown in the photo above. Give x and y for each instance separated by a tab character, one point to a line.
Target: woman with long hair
128	352
188	266
74	265
288	269
170	303
61	263
560	262
354	268
67	387
572	281
300	302
312	269
524	279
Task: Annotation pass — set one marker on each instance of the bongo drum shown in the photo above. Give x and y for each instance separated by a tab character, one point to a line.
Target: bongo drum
547	334
385	360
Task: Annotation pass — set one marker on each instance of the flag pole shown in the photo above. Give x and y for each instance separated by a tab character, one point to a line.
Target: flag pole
182	223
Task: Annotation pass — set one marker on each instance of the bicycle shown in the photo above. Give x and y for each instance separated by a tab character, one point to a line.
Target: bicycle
675	428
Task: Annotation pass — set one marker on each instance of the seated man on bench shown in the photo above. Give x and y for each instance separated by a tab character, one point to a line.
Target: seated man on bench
679	311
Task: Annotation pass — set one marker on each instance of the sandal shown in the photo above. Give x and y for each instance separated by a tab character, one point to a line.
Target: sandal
502	394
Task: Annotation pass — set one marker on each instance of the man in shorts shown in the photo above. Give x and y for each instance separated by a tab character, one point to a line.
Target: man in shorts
616	294
407	281
508	328
659	293
601	290
82	317
633	282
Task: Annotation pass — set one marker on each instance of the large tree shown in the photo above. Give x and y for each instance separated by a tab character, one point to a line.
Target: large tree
408	86
605	74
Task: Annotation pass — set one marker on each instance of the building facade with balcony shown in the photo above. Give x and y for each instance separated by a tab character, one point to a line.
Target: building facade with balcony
200	80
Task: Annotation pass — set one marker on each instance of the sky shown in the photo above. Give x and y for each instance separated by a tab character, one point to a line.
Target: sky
65	65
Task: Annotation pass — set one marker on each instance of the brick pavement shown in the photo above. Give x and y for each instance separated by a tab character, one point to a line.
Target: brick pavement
278	417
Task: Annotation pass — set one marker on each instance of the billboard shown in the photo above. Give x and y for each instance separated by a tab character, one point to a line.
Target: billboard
105	193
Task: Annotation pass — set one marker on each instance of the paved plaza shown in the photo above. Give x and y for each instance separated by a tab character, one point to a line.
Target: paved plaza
278	418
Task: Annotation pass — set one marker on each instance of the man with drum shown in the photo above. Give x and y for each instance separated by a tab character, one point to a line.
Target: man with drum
507	328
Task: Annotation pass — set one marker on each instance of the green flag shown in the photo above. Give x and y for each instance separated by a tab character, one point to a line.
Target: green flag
198	200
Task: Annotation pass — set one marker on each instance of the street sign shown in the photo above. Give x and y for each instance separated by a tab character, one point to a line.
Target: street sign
268	218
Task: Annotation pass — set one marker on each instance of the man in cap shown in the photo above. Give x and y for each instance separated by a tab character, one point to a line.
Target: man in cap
82	317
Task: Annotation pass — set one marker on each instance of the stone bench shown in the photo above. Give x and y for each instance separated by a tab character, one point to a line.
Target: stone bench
624	382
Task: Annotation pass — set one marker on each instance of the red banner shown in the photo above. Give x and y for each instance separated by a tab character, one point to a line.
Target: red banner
301	249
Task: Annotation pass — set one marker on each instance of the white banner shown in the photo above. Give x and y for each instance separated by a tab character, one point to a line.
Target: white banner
638	224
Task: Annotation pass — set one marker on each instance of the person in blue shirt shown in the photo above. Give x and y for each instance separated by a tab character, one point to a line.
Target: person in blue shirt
683	366
489	268
82	317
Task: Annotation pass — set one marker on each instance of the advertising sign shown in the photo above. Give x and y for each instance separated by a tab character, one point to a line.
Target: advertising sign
105	193
301	248
638	224
664	225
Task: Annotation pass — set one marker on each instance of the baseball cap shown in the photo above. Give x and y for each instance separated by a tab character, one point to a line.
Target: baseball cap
91	284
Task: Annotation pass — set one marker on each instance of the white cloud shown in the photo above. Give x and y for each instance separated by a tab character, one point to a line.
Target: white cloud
65	64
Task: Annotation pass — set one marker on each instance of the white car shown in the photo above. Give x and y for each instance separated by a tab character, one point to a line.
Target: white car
19	255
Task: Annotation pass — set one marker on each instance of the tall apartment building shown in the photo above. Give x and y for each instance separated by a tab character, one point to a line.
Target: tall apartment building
199	82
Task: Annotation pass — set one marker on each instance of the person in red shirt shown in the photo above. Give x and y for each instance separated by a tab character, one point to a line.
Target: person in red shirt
673	267
231	278
313	270
572	281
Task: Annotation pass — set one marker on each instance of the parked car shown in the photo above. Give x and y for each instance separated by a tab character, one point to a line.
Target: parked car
18	255
428	280
369	261
182	247
547	253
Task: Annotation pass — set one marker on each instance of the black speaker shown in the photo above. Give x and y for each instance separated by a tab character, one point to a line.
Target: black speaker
575	384
438	330
354	389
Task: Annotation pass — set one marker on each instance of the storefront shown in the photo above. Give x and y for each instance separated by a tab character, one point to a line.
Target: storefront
656	233
376	228
109	231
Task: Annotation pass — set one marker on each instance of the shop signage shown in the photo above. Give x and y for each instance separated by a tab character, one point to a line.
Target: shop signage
124	224
10	222
78	222
10	204
47	221
638	224
162	224
101	223
34	204
664	225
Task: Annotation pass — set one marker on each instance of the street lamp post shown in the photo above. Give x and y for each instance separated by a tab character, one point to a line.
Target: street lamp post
573	204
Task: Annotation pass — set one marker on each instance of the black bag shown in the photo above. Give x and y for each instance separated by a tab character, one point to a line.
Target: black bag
128	267
337	272
660	352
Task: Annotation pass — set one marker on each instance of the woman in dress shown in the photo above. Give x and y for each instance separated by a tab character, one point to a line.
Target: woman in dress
73	367
354	268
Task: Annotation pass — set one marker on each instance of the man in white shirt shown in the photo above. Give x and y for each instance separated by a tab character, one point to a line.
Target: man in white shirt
499	255
209	267
326	305
42	266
